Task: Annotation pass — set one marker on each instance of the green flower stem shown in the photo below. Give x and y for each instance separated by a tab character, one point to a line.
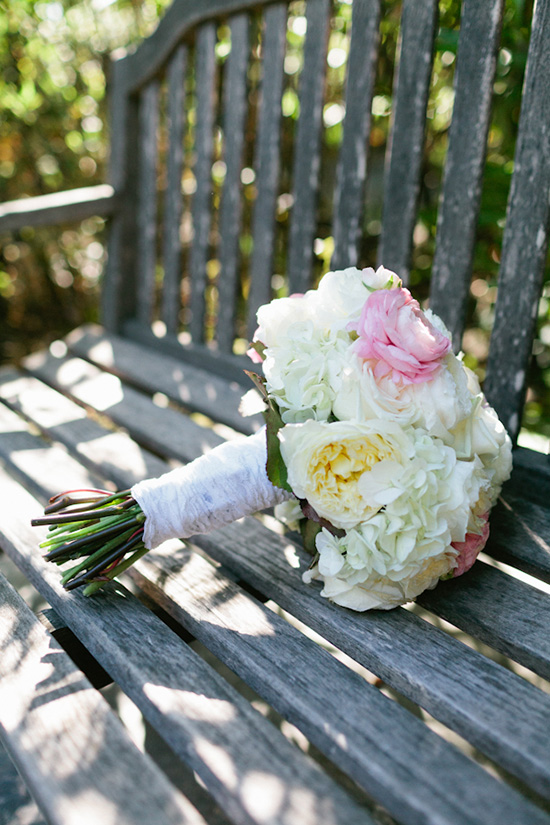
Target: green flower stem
116	571
89	533
106	560
103	550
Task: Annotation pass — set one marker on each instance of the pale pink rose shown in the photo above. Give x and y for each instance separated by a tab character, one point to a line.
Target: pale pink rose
395	335
254	355
470	548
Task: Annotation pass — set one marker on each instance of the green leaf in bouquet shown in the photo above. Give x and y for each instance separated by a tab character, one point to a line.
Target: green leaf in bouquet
309	530
275	466
259	383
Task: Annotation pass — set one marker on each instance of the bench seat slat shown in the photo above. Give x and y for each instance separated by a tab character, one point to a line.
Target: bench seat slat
457	218
267	161
475	709
66	741
197	730
192	597
457	685
405	153
184	383
153	427
500	610
352	168
112	454
196	712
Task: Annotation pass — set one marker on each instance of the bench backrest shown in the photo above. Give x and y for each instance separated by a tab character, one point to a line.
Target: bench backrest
214	241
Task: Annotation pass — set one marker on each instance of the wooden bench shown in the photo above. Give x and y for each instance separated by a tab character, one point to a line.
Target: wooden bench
287	708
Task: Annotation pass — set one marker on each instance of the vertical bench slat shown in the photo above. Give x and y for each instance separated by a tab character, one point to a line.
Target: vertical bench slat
307	158
267	160
352	167
526	235
201	210
118	294
173	196
476	61
147	200
230	208
405	150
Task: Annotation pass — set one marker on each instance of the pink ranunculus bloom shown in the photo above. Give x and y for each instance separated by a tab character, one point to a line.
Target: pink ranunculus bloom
395	335
470	548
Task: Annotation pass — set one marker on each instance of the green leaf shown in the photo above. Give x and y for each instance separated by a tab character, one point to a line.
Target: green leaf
275	466
259	383
310	530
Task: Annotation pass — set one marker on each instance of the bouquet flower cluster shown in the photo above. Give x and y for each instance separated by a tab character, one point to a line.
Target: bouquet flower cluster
379	446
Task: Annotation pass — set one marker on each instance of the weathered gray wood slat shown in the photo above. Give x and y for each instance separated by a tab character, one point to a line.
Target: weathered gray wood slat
239	755
17	453
66	741
16	804
464	718
234	105
178	21
110	453
149	116
205	72
171	244
58	207
133	656
161	429
456	225
352	166
462	688
267	160
520	530
118	292
525	238
406	146
152	371
337	710
503	612
307	148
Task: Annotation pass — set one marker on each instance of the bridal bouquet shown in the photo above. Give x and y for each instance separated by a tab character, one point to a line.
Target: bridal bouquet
379	447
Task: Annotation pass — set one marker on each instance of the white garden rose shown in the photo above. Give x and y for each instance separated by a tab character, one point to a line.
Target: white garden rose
347	471
340	296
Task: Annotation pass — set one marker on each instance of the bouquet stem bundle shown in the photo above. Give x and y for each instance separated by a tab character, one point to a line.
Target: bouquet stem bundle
103	531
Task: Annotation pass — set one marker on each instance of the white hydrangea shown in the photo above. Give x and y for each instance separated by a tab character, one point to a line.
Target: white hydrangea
398	552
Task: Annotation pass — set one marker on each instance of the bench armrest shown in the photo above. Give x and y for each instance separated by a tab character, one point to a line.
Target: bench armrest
59	207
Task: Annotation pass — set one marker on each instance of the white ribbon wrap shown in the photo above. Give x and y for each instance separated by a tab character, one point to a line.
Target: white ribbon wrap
214	490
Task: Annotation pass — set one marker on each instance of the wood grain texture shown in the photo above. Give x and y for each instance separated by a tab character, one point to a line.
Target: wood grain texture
17	807
466	691
457	218
307	148
267	161
234	108
340	713
104	451
58	208
406	145
352	165
176	24
194	388
503	612
247	765
173	201
119	291
73	752
161	429
525	238
205	73
146	238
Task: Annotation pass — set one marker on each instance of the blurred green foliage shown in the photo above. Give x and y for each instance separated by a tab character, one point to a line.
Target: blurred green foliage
54	61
